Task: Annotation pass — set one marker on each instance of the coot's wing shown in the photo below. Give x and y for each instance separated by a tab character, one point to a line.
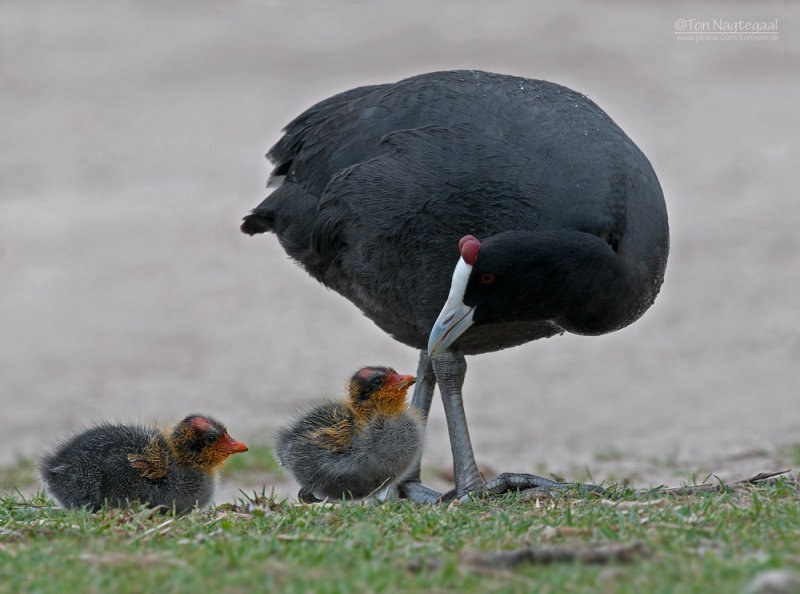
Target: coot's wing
309	127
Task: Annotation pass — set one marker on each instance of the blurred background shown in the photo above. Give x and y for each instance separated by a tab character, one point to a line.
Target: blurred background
133	136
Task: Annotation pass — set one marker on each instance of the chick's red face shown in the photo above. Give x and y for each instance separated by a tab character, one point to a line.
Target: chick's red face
229	446
375	390
398	382
368	381
205	443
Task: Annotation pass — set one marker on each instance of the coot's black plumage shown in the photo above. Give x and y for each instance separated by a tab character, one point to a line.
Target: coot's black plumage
377	185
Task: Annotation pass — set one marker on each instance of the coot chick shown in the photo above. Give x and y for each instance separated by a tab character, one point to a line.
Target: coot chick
354	447
114	465
561	218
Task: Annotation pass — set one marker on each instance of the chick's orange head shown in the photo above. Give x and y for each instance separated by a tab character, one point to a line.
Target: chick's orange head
202	442
221	441
374	390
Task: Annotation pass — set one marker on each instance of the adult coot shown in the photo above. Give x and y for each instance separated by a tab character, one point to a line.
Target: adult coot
545	216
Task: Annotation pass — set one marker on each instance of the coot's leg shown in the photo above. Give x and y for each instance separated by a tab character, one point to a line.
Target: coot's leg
412	488
423	396
450	368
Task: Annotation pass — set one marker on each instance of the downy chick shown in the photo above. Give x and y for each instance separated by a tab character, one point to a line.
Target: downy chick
354	447
115	465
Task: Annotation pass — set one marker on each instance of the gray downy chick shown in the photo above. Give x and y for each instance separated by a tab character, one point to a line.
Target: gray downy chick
354	447
115	465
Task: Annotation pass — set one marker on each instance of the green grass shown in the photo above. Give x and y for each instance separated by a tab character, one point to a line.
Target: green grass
696	543
790	453
21	475
260	459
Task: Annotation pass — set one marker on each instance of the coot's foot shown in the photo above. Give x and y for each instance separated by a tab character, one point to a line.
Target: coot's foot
306	496
416	492
530	483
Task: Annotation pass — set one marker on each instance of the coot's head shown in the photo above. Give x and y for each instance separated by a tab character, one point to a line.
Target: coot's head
506	278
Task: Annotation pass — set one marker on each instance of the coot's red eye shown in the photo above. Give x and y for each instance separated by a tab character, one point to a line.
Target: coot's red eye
487	278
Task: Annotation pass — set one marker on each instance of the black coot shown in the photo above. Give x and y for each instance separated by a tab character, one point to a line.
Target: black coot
516	204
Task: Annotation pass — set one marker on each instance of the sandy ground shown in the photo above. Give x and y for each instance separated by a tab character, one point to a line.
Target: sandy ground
133	140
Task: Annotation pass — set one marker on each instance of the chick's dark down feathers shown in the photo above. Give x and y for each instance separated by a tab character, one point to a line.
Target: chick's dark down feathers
379	454
115	465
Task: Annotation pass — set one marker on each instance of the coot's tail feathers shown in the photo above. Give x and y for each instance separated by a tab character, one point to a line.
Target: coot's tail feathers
288	211
258	222
291	213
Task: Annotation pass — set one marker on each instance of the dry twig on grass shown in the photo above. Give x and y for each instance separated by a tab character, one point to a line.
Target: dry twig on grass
623	553
762	478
